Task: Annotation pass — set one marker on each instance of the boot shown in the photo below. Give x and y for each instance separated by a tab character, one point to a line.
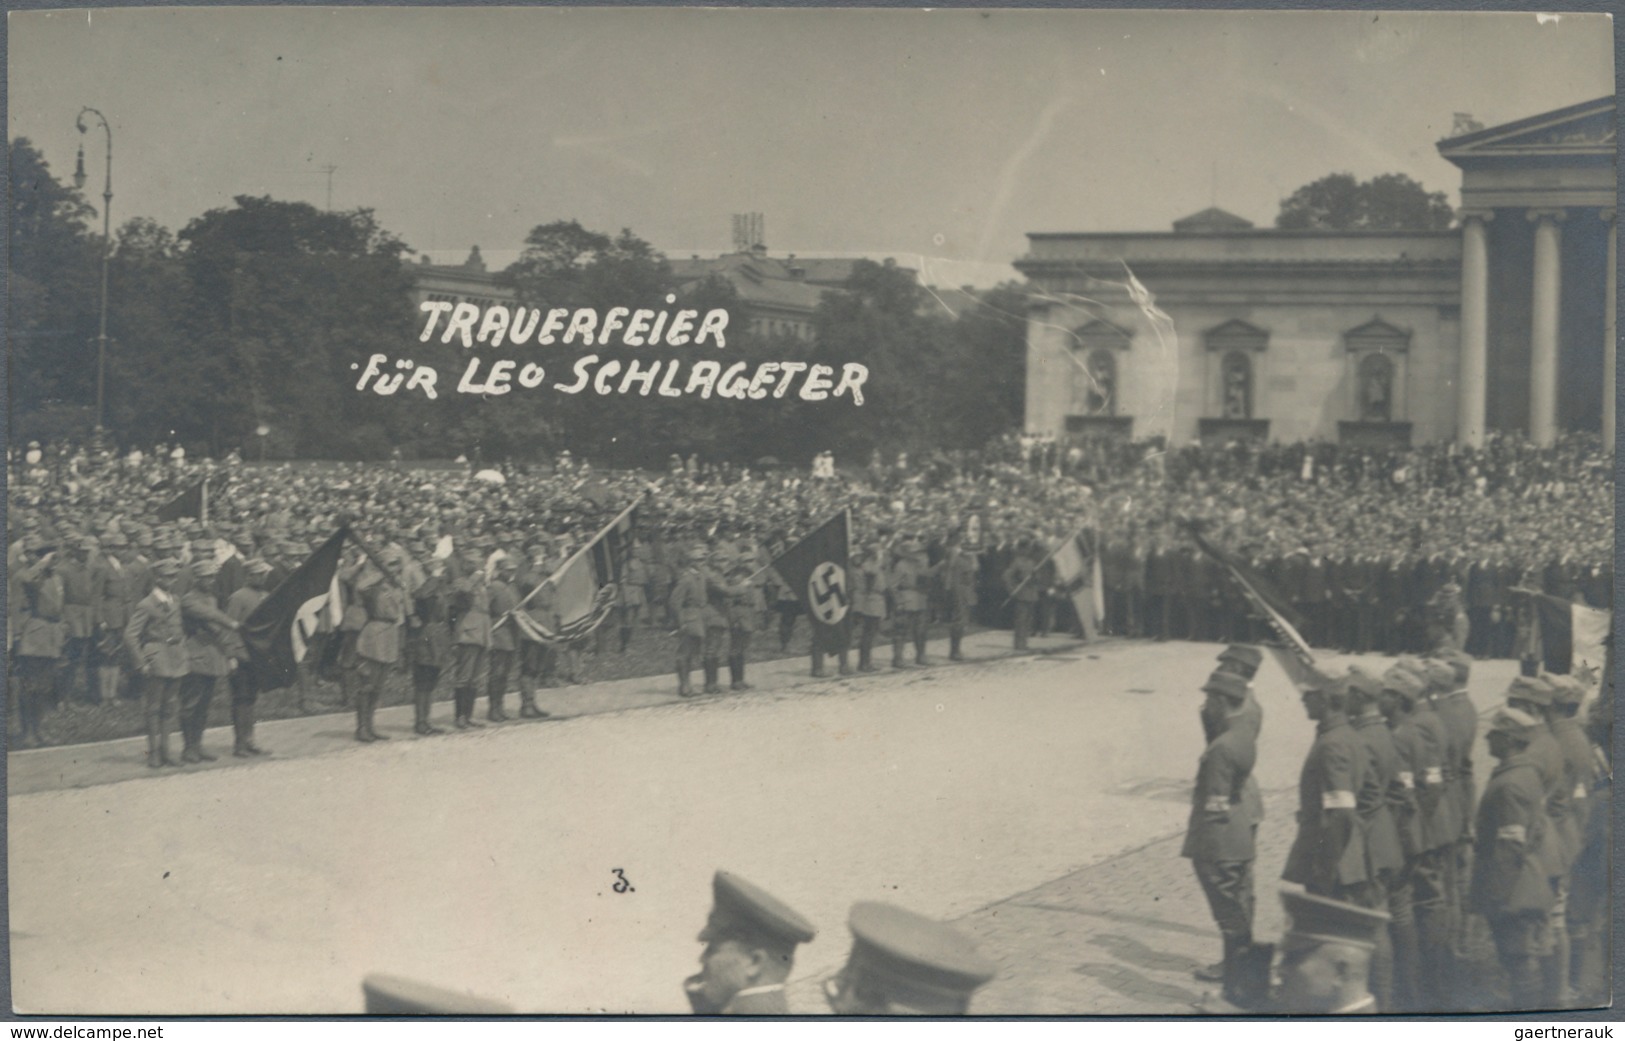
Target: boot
1248	982
198	725
712	669
361	727
953	648
237	734
346	687
108	679
460	714
372	709
153	759
494	712
736	669
248	732
844	666
684	688
626	639
527	702
163	745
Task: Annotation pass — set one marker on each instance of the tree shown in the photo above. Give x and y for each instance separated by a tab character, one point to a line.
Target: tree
1389	202
54	291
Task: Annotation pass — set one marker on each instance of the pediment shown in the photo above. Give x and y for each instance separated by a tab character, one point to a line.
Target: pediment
1236	334
1101	333
1586	128
1377	335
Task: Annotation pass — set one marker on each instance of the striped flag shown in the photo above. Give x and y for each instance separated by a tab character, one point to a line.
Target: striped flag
1268	602
1569	637
1077	568
278	631
586	587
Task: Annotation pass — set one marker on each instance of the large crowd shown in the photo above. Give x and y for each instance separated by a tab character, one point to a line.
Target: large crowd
1377	549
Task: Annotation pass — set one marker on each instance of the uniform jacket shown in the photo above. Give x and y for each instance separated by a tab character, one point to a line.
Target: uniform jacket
428	630
1460	718
42	630
78	598
1412	758
380	638
746	605
869	596
242	603
155	637
634	586
115	588
1562	841
1382	832
909	583
763	1002
504	598
211	643
473	595
1582	767
1221	826
1509	875
959	578
688	602
1440	825
1330	848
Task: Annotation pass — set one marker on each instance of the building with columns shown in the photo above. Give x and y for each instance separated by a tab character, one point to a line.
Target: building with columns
1504	322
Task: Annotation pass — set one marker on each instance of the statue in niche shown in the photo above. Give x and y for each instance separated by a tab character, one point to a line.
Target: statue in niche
1376	390
1236	391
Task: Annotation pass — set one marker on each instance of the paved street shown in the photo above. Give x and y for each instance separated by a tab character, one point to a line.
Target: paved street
1034	799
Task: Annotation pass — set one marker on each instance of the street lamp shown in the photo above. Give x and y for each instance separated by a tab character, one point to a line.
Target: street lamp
107	245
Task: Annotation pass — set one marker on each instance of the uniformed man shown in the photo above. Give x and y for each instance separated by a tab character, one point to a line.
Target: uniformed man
155	639
1385	855
428	635
1219	840
959	572
1533	695
471	633
908	585
244	687
719	595
378	645
115	588
1413	758
687	605
868	599
1510	886
1568	694
905	964
212	654
1021	579
750	942
745	608
1590	890
504	638
1325	964
78	620
632	595
39	640
1456	711
1328	857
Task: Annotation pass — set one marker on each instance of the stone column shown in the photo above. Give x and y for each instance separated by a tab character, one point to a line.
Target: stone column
1544	315
1610	332
1471	378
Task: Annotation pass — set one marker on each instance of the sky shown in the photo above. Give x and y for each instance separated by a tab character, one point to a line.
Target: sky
938	137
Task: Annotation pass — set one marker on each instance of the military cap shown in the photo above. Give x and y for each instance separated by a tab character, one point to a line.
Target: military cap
1459	661
85	543
1363	684
1566	690
398	996
116	540
741	910
205	567
166	567
1532	689
918	961
1226	684
1323	920
144	539
1440	677
256	566
482	542
1514	721
1404	683
1243	655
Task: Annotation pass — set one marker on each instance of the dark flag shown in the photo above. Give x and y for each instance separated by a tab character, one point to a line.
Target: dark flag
817	569
1268	602
193	502
278	631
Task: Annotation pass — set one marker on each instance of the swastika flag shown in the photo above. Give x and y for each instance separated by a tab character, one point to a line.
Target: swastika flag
819	570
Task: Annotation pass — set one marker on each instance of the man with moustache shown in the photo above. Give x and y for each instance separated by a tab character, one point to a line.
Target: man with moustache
750	940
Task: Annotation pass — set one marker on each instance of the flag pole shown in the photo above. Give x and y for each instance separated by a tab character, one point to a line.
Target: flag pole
1047	557
562	568
373	556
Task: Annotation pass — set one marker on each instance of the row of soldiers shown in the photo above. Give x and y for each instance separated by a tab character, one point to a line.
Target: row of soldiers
1390	820
1376	602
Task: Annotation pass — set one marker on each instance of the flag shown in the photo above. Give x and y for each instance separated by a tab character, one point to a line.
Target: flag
278	631
1077	569
1569	637
817	569
586	586
193	502
1269	603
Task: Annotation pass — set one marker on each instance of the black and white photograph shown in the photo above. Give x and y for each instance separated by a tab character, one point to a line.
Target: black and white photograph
686	512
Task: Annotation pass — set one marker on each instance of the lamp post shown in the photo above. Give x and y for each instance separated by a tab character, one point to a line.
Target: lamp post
107	245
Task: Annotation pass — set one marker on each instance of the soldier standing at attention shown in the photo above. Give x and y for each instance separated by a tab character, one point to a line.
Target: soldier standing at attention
428	644
1385	857
245	690
905	964
1021	580
908	585
471	634
1412	759
745	608
1219	838
688	606
1511	888
212	653
156	640
79	620
1328	857
1533	695
378	645
868	599
959	581
633	593
504	639
39	640
750	942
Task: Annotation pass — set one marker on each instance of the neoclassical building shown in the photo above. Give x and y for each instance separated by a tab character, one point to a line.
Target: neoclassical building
1505	322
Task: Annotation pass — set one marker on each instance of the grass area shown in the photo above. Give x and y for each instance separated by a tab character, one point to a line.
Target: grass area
653	652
